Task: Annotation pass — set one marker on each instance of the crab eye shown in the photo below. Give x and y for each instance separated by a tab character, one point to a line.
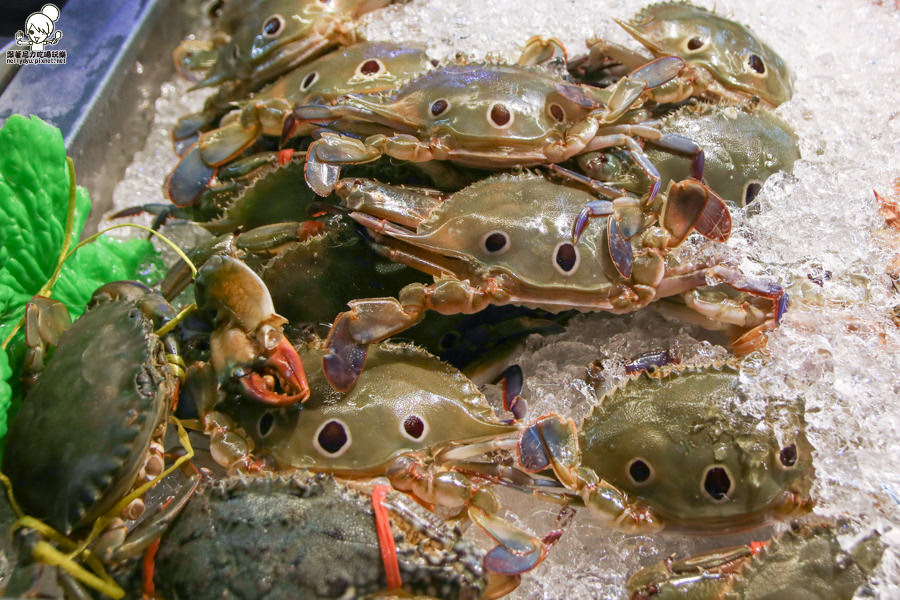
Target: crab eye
235	52
309	80
756	63
717	483
332	438
499	115
695	43
788	456
265	424
273	26
751	191
556	111
413	428
495	242
640	472
566	258
370	67
439	107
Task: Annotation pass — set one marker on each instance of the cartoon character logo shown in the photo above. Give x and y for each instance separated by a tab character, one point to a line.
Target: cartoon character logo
39	29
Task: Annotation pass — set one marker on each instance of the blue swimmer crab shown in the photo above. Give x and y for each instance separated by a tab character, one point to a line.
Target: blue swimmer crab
671	449
724	60
90	429
311	536
269	39
361	68
804	563
411	418
509	240
491	117
247	345
742	147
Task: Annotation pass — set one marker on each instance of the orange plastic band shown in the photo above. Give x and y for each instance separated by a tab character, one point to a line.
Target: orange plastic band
386	538
148	587
284	156
756	547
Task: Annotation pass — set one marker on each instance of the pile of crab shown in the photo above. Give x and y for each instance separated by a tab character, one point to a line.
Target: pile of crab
456	208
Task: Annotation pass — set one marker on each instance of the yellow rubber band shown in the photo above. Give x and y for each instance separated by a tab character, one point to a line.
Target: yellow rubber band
47	554
168	327
104	520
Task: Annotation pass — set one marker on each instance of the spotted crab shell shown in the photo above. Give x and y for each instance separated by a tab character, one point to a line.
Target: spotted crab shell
406	400
77	443
678	440
736	57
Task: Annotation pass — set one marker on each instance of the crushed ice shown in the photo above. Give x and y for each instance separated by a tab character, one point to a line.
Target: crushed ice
817	232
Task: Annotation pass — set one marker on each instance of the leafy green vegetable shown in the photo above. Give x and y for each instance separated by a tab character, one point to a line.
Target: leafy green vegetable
34	201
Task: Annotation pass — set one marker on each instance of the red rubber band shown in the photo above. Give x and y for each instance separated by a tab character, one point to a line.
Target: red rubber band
149	565
756	547
386	538
284	156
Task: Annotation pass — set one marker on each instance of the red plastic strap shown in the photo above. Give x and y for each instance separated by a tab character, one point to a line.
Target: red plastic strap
386	538
284	156
756	547
148	587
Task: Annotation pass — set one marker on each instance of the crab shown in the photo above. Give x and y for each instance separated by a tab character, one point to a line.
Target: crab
323	539
725	61
742	147
247	345
91	428
268	39
509	240
807	561
361	68
491	116
411	418
671	449
102	399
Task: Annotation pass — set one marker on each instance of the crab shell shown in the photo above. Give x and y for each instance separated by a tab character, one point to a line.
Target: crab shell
485	110
537	265
728	50
275	35
307	536
405	401
79	440
677	440
804	563
742	148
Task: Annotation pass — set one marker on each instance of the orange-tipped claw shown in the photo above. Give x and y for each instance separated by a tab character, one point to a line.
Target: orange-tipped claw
283	366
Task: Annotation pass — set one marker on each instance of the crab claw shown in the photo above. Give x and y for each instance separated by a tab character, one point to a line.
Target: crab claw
190	178
516	552
345	359
248	342
284	368
550	442
693	206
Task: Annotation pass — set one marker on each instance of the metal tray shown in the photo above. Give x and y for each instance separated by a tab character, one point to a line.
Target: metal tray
118	55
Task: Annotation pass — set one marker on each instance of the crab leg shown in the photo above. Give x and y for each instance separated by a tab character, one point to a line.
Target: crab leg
375	319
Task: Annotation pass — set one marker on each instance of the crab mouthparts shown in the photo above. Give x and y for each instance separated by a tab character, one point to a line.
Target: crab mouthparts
280	381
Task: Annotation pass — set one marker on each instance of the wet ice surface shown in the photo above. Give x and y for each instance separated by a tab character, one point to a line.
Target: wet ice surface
817	232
